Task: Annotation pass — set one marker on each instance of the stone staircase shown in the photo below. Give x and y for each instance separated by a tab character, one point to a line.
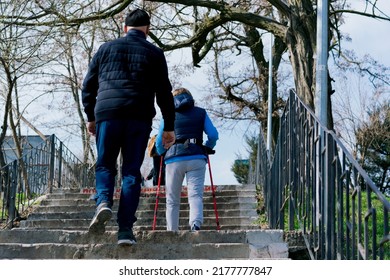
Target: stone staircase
57	228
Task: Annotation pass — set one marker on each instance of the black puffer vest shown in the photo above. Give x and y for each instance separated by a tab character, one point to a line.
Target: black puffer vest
189	126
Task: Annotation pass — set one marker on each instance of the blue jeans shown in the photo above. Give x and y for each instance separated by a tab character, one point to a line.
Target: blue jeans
130	137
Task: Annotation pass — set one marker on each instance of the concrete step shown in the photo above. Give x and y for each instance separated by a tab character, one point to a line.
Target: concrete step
84	223
60	244
30	236
162	226
207	188
141	214
110	251
90	207
152	194
151	191
150	200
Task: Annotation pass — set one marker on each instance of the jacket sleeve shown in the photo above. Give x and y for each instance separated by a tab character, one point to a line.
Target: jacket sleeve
164	95
90	88
211	132
159	146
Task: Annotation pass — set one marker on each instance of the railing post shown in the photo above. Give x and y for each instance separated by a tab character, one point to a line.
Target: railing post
60	165
329	195
12	194
291	159
83	175
276	182
52	162
258	160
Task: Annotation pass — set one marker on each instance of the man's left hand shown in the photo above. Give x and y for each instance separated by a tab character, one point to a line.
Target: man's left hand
91	127
168	139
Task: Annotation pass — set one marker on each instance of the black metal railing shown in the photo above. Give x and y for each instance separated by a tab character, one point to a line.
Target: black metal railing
49	165
314	185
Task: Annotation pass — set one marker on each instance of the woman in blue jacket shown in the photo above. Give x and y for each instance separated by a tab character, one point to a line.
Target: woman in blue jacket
186	158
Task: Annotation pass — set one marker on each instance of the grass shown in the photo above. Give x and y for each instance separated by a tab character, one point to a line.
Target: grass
23	203
380	226
261	210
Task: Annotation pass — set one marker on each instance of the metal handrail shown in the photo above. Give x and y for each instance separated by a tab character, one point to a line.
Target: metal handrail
314	185
45	167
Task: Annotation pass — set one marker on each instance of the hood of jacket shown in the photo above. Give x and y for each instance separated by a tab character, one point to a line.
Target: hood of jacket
183	101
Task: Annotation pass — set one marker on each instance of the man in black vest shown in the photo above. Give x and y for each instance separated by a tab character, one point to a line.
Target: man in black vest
186	158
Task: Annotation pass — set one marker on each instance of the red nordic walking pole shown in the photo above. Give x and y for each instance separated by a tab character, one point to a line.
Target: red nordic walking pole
213	191
157	194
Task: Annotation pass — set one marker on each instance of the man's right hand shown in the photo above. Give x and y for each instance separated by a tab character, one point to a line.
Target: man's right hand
168	139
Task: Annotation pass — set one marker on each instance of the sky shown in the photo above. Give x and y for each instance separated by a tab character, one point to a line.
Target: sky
369	36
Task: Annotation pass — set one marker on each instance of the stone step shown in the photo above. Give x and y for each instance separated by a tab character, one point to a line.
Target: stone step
60	244
84	223
161	226
152	194
30	236
207	188
151	200
139	251
90	207
141	214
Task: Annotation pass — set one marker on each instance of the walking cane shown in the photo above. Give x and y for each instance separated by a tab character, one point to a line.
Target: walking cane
157	194
213	190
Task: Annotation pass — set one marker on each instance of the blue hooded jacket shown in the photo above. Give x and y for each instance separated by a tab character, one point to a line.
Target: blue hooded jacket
190	123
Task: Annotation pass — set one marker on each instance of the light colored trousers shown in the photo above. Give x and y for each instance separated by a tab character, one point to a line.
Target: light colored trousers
194	171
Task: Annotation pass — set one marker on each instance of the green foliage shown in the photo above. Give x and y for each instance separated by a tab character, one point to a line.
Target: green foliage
261	210
376	205
242	167
373	144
